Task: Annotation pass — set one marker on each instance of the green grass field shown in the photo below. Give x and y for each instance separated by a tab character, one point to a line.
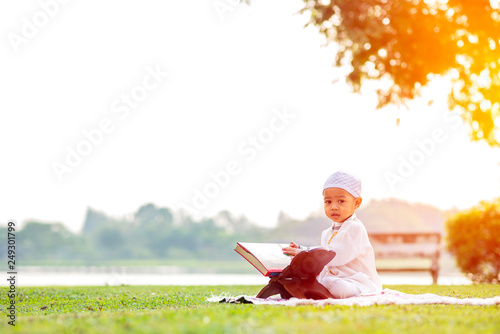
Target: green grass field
168	309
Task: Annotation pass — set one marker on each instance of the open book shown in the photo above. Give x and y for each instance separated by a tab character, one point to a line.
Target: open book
265	257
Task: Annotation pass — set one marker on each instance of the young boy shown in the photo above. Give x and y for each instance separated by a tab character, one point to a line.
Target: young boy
352	271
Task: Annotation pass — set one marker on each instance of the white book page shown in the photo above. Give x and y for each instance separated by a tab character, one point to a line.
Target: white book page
271	255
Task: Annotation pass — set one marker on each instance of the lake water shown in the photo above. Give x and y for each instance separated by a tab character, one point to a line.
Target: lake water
95	276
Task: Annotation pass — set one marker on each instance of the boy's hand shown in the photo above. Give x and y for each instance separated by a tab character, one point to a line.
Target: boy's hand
292	250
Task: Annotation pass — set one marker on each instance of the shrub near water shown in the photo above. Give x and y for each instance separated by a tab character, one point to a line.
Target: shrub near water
474	238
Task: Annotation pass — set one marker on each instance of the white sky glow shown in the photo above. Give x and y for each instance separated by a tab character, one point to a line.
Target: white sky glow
249	92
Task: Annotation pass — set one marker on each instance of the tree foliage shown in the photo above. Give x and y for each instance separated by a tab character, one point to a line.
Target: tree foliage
156	233
472	236
411	41
150	234
39	241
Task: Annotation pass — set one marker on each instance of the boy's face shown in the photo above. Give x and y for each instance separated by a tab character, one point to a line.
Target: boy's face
339	204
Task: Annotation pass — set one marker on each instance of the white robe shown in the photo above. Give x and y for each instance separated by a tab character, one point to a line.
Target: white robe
354	263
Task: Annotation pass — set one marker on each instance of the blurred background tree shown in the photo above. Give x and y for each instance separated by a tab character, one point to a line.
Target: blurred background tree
40	241
408	42
156	234
472	236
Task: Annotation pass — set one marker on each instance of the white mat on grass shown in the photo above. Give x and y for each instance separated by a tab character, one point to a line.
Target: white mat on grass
386	297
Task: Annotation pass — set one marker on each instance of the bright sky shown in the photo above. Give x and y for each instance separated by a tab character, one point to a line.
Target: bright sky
89	116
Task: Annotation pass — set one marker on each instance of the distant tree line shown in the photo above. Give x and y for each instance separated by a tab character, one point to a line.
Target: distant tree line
155	233
151	234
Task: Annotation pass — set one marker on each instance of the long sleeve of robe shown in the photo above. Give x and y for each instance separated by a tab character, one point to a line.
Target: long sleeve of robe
354	260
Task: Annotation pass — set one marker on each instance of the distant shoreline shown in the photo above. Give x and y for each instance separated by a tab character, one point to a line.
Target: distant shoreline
120	276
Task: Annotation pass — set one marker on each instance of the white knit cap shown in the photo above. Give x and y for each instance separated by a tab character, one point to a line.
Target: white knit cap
343	180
